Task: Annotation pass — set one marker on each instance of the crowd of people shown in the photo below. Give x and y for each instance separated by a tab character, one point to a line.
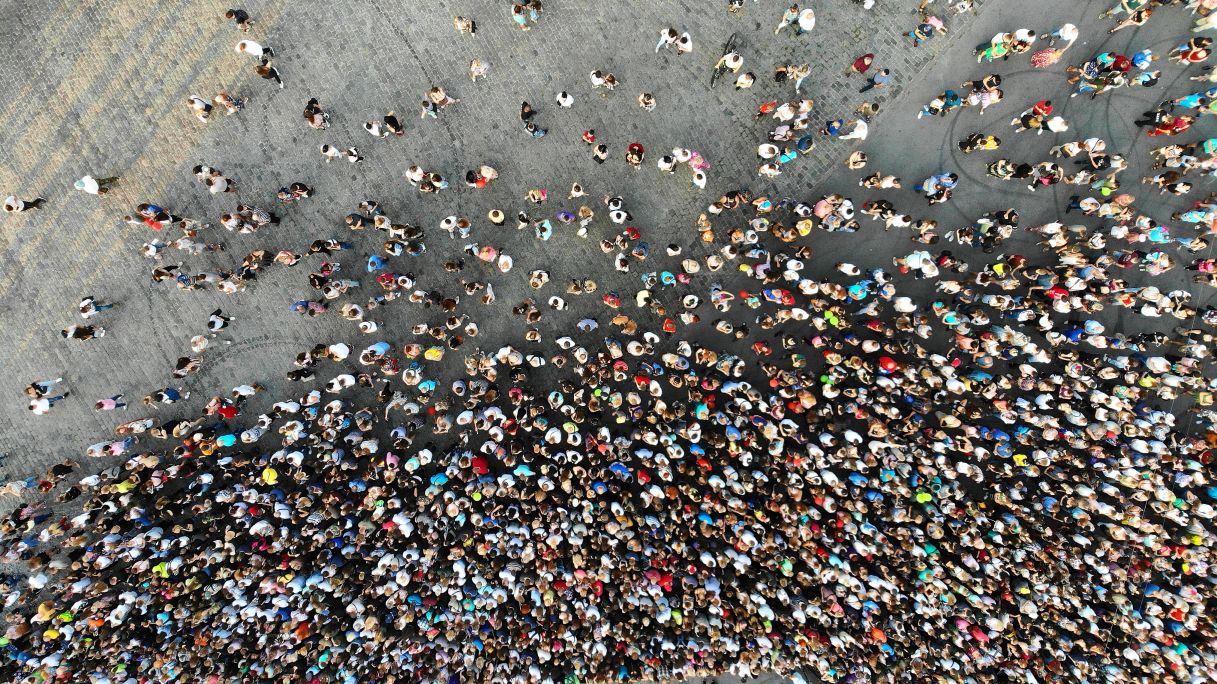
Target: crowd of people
745	465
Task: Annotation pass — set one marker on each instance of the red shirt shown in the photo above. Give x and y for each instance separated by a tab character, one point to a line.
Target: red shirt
1172	127
1194	55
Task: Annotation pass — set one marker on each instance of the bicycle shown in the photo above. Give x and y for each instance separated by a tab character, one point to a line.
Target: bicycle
728	48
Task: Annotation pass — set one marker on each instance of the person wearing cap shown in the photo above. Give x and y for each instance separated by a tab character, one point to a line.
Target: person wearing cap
95	186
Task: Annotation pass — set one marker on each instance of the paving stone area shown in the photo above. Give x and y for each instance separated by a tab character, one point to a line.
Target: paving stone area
99	88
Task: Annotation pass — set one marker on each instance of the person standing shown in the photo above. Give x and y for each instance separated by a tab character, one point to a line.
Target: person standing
859	132
799	74
269	73
789	17
806	21
527	114
16	205
879	80
114	402
42	405
200	107
684	44
231	104
40	388
667	38
90	307
867	110
95	186
861	64
217	321
239	17
83	333
263	53
478	69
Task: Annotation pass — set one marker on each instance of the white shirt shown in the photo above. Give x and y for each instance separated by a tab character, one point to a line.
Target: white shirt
250	47
88	184
807	20
861	130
